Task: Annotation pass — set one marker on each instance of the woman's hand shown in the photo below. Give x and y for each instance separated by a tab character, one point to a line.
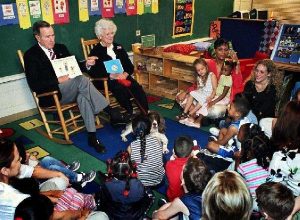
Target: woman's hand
123	75
233	55
118	75
91	61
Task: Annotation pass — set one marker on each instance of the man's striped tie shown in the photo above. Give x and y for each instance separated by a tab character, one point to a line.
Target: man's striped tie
52	54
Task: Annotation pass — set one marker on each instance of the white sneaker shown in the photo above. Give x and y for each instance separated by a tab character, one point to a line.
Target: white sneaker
214	131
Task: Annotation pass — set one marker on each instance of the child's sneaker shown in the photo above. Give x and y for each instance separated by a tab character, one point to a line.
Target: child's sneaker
89	177
74	166
212	138
214	131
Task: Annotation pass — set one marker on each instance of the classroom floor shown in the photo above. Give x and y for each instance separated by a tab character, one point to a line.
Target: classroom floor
42	146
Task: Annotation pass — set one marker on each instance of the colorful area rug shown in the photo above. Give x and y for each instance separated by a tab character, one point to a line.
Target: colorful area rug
111	139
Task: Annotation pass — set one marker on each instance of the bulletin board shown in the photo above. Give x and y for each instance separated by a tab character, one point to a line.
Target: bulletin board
183	18
287	47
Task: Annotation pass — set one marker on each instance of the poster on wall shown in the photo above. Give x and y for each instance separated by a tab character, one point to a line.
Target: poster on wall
120	7
47	11
94	8
61	11
287	47
83	10
215	29
107	7
131	7
8	14
35	11
23	13
183	18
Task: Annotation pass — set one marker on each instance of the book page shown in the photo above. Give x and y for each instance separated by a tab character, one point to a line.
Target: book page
66	66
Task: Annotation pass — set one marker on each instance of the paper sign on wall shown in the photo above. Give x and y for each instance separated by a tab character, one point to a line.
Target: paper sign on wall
8	14
83	10
47	11
107	9
131	7
23	13
94	7
183	18
140	7
35	11
215	29
120	7
61	11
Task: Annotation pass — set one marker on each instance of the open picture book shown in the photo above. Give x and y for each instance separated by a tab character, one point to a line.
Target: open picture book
66	66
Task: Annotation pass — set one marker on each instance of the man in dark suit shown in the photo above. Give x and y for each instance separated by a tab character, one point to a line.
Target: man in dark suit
42	78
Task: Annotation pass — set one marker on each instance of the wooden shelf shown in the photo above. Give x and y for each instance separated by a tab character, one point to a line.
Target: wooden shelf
175	71
288	67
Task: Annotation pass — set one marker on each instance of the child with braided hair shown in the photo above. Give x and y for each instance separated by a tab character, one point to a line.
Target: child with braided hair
146	151
122	196
255	156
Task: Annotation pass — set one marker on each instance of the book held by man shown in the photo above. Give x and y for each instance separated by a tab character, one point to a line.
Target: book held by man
66	66
113	66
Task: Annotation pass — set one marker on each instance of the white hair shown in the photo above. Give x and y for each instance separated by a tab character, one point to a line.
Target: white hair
104	24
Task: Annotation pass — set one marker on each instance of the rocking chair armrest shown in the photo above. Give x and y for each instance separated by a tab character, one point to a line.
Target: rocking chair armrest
47	94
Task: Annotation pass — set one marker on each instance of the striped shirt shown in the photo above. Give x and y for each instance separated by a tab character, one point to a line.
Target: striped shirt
254	175
151	171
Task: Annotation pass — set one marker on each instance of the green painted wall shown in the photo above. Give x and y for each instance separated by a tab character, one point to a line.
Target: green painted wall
160	24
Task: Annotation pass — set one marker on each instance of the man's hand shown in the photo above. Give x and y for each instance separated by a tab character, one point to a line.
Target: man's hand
62	79
91	61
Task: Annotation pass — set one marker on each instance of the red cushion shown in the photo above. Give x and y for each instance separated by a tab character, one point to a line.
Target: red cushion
180	48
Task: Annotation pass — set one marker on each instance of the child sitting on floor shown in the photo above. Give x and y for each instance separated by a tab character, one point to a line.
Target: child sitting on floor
220	151
122	196
195	177
206	89
51	163
255	157
217	107
182	151
275	201
146	151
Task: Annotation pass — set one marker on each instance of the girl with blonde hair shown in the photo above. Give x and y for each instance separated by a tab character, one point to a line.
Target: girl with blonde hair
226	197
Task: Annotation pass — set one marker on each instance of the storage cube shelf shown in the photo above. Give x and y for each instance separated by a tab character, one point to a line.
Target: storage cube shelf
163	74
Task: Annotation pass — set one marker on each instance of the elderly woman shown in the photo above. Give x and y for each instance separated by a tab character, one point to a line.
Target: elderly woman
261	90
107	50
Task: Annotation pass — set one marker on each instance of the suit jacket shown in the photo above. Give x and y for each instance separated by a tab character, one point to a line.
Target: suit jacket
39	72
98	70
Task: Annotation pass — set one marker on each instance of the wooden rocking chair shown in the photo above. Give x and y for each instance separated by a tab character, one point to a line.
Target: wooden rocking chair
68	118
87	46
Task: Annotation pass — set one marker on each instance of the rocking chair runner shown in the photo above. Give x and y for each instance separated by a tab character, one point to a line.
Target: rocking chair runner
65	124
